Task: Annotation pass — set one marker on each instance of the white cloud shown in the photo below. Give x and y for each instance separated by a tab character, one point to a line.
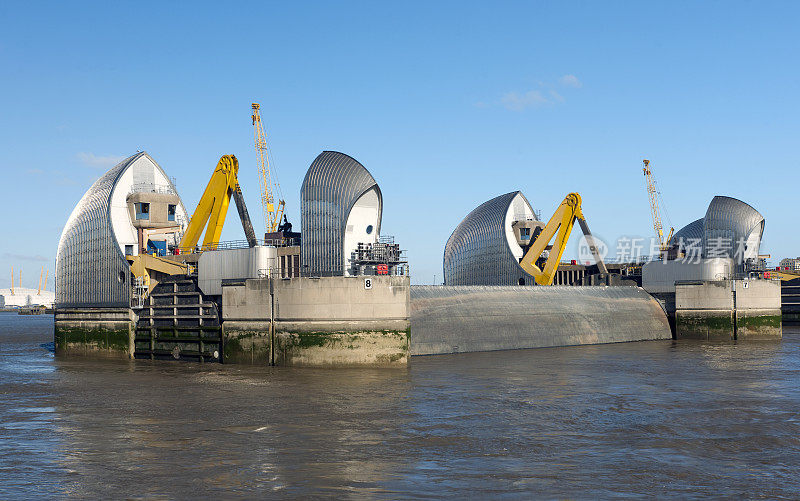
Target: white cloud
92	160
518	102
24	257
570	81
543	94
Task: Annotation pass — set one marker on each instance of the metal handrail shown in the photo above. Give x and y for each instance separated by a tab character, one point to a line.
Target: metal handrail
240	244
152	188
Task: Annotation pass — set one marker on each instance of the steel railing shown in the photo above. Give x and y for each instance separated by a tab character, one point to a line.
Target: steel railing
239	244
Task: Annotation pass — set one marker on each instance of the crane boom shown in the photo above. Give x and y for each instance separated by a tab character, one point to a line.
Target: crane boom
213	206
561	223
272	214
655	204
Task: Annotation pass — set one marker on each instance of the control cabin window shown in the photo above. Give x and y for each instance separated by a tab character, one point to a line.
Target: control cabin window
171	212
142	210
525	233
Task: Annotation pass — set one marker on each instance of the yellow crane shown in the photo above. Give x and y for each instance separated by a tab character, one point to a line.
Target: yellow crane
560	227
655	204
213	206
272	214
209	215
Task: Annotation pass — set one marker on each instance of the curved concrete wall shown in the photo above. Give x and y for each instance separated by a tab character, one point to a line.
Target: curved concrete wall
452	319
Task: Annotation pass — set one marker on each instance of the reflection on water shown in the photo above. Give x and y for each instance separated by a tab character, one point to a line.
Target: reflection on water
651	418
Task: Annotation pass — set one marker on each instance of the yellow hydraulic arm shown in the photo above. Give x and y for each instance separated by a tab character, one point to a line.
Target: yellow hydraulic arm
560	226
213	206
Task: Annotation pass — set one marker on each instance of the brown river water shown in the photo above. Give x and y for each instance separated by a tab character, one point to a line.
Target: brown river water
649	419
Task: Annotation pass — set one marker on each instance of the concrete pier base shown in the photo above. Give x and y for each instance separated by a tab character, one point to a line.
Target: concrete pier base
728	310
758	324
94	332
341	348
330	321
247	342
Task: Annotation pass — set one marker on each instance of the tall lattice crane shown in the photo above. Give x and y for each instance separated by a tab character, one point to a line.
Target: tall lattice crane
269	186
655	205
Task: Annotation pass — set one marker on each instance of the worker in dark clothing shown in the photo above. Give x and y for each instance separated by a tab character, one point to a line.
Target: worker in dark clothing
286	226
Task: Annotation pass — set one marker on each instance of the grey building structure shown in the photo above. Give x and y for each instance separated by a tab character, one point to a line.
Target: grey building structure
341	206
690	235
483	250
91	269
731	228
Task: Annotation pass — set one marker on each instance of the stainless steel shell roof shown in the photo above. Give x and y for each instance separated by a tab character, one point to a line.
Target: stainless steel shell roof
333	183
477	252
691	232
728	219
732	220
90	267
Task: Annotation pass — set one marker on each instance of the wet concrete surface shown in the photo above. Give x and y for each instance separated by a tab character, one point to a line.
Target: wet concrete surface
684	419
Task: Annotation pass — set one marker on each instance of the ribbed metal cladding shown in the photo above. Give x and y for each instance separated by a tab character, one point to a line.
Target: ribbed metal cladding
91	270
733	221
691	234
477	252
332	185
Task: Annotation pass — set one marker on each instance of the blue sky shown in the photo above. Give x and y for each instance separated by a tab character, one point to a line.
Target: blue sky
448	104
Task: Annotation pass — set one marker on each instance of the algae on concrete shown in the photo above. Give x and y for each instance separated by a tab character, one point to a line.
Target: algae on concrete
99	341
704	325
246	346
374	348
759	326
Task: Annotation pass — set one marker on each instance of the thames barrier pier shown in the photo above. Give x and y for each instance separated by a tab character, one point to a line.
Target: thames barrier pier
310	321
710	281
129	286
135	280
